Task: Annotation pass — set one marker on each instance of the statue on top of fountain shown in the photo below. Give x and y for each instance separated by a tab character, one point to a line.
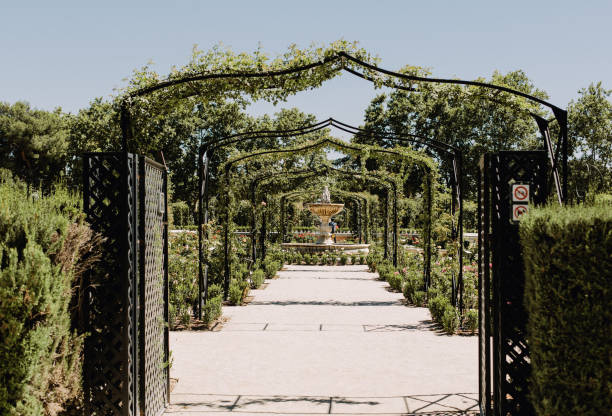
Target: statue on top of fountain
325	196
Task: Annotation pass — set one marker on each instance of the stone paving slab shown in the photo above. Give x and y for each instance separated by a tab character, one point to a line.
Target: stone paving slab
321	339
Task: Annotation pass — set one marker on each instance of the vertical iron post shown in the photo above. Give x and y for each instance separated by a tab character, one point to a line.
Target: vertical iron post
386	226
264	231
460	191
427	237
282	220
253	226
358	212
395	225
200	242
227	271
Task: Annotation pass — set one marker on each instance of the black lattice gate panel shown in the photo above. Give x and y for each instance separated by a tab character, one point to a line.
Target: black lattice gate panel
110	349
484	290
500	200
153	330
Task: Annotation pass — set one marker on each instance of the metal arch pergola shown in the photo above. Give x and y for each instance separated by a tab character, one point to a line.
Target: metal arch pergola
366	177
560	115
371	176
209	147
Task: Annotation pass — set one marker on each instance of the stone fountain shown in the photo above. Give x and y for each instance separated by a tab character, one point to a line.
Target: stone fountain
325	209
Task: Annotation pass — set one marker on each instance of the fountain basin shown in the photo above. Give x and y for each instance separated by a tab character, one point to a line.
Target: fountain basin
317	248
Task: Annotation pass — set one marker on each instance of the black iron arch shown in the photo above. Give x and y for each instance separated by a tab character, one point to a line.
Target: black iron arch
206	149
342	58
308	172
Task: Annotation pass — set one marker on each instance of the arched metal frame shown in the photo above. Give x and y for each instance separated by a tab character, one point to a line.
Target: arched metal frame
207	148
342	58
366	177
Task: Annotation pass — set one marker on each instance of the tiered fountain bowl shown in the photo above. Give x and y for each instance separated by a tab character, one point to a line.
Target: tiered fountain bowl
325	210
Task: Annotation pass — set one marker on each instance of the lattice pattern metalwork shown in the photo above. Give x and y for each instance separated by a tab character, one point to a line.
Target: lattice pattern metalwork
153	288
484	291
110	349
511	364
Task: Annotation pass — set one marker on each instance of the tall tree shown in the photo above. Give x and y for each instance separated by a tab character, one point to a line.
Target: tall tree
590	132
34	143
473	119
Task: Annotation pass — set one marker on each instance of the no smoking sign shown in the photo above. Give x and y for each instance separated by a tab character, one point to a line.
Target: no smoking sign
520	200
520	193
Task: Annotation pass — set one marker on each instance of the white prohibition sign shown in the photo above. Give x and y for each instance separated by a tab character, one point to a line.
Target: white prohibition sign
518	210
520	193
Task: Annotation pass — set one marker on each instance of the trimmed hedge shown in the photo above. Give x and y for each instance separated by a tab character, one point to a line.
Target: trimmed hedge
568	296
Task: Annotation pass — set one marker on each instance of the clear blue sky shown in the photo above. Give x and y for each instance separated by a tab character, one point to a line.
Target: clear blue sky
65	53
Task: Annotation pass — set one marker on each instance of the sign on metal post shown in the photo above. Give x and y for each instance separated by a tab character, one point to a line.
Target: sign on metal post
520	193
520	200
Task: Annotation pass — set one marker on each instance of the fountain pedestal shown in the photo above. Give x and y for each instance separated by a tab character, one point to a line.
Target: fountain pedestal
325	211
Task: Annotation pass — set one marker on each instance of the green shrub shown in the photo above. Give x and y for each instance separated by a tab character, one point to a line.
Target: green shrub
568	296
343	259
270	268
181	214
385	269
437	305
331	259
297	258
307	258
182	277
471	320
236	291
373	259
212	309
395	280
362	259
450	320
257	278
413	283
418	298
215	290
43	242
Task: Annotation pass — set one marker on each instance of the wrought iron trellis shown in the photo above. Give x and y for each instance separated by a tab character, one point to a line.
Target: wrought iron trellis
502	316
314	172
127	300
370	72
207	149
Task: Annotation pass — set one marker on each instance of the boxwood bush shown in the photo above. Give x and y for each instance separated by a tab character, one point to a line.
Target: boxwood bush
568	296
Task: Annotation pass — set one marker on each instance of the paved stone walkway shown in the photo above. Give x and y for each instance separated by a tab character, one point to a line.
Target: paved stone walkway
324	340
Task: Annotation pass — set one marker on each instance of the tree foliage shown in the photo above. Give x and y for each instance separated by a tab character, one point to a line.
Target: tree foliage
34	143
590	128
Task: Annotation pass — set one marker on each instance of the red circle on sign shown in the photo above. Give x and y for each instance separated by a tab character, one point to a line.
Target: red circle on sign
520	210
521	193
